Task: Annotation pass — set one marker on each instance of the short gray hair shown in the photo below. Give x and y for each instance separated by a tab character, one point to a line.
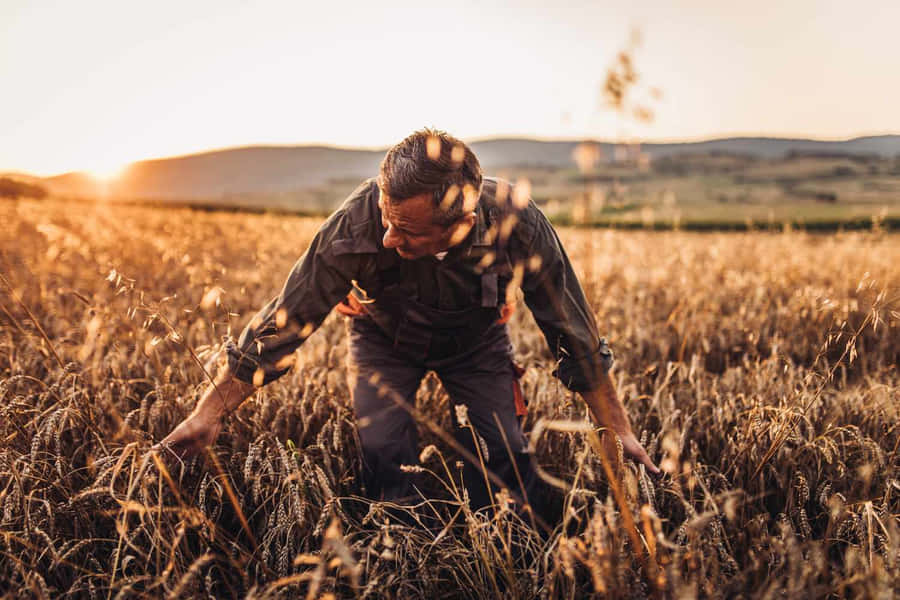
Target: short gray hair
433	162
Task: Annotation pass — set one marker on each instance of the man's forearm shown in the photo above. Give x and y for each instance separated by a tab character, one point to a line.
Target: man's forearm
606	406
609	412
226	395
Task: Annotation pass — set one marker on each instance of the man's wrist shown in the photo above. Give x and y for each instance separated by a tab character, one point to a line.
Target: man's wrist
212	408
606	408
224	396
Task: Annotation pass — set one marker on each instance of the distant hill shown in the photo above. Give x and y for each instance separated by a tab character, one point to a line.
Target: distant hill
500	153
74	184
254	170
241	173
885	146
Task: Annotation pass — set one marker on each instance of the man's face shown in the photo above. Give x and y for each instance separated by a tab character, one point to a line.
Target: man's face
411	232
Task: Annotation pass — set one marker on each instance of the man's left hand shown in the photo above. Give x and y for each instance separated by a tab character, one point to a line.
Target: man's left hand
608	412
632	449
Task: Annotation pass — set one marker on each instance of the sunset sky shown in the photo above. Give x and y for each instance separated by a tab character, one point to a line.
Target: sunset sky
93	85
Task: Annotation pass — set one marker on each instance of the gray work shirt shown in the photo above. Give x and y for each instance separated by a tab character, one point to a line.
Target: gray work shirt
508	246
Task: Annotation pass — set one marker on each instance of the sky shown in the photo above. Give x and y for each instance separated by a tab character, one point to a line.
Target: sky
93	85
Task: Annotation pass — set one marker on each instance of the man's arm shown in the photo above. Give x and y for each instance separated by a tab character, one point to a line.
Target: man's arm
319	280
557	302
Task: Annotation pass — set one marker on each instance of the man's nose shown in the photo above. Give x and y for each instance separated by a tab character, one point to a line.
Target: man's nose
391	238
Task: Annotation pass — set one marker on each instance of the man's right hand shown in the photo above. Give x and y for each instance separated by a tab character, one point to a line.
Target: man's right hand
197	432
200	429
351	307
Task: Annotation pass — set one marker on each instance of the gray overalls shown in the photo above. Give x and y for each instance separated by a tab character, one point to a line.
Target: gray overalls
399	340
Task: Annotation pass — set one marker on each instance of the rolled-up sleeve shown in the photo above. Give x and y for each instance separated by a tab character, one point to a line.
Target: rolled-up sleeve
319	280
557	301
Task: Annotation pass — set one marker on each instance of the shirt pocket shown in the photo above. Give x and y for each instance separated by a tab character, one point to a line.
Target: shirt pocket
360	251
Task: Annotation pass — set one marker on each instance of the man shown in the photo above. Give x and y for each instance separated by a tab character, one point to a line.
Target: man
430	253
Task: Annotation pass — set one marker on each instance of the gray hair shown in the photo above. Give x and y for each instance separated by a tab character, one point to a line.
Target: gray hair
433	162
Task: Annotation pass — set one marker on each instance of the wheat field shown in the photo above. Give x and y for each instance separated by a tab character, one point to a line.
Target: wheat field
759	370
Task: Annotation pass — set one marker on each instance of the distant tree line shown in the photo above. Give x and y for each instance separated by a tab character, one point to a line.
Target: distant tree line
10	188
853	156
703	163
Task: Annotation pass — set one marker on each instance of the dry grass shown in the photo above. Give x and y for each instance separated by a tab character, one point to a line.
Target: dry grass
761	370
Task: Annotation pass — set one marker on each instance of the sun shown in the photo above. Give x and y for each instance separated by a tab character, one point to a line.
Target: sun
107	169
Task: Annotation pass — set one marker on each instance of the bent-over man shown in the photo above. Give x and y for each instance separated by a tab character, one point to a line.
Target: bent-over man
424	260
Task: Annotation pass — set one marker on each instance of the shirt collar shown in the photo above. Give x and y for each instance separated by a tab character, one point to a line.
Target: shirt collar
480	235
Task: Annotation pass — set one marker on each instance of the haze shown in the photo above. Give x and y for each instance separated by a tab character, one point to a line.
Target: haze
95	85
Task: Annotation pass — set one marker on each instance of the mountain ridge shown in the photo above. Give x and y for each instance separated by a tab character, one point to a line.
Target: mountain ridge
275	169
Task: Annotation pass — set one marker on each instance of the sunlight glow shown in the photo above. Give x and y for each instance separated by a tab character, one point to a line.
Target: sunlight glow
106	170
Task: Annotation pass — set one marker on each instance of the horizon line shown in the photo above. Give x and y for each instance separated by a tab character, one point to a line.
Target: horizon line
474	140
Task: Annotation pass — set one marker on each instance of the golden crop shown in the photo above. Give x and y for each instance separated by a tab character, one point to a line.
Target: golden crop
760	370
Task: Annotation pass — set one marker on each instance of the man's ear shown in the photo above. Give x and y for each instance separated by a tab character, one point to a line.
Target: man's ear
461	228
